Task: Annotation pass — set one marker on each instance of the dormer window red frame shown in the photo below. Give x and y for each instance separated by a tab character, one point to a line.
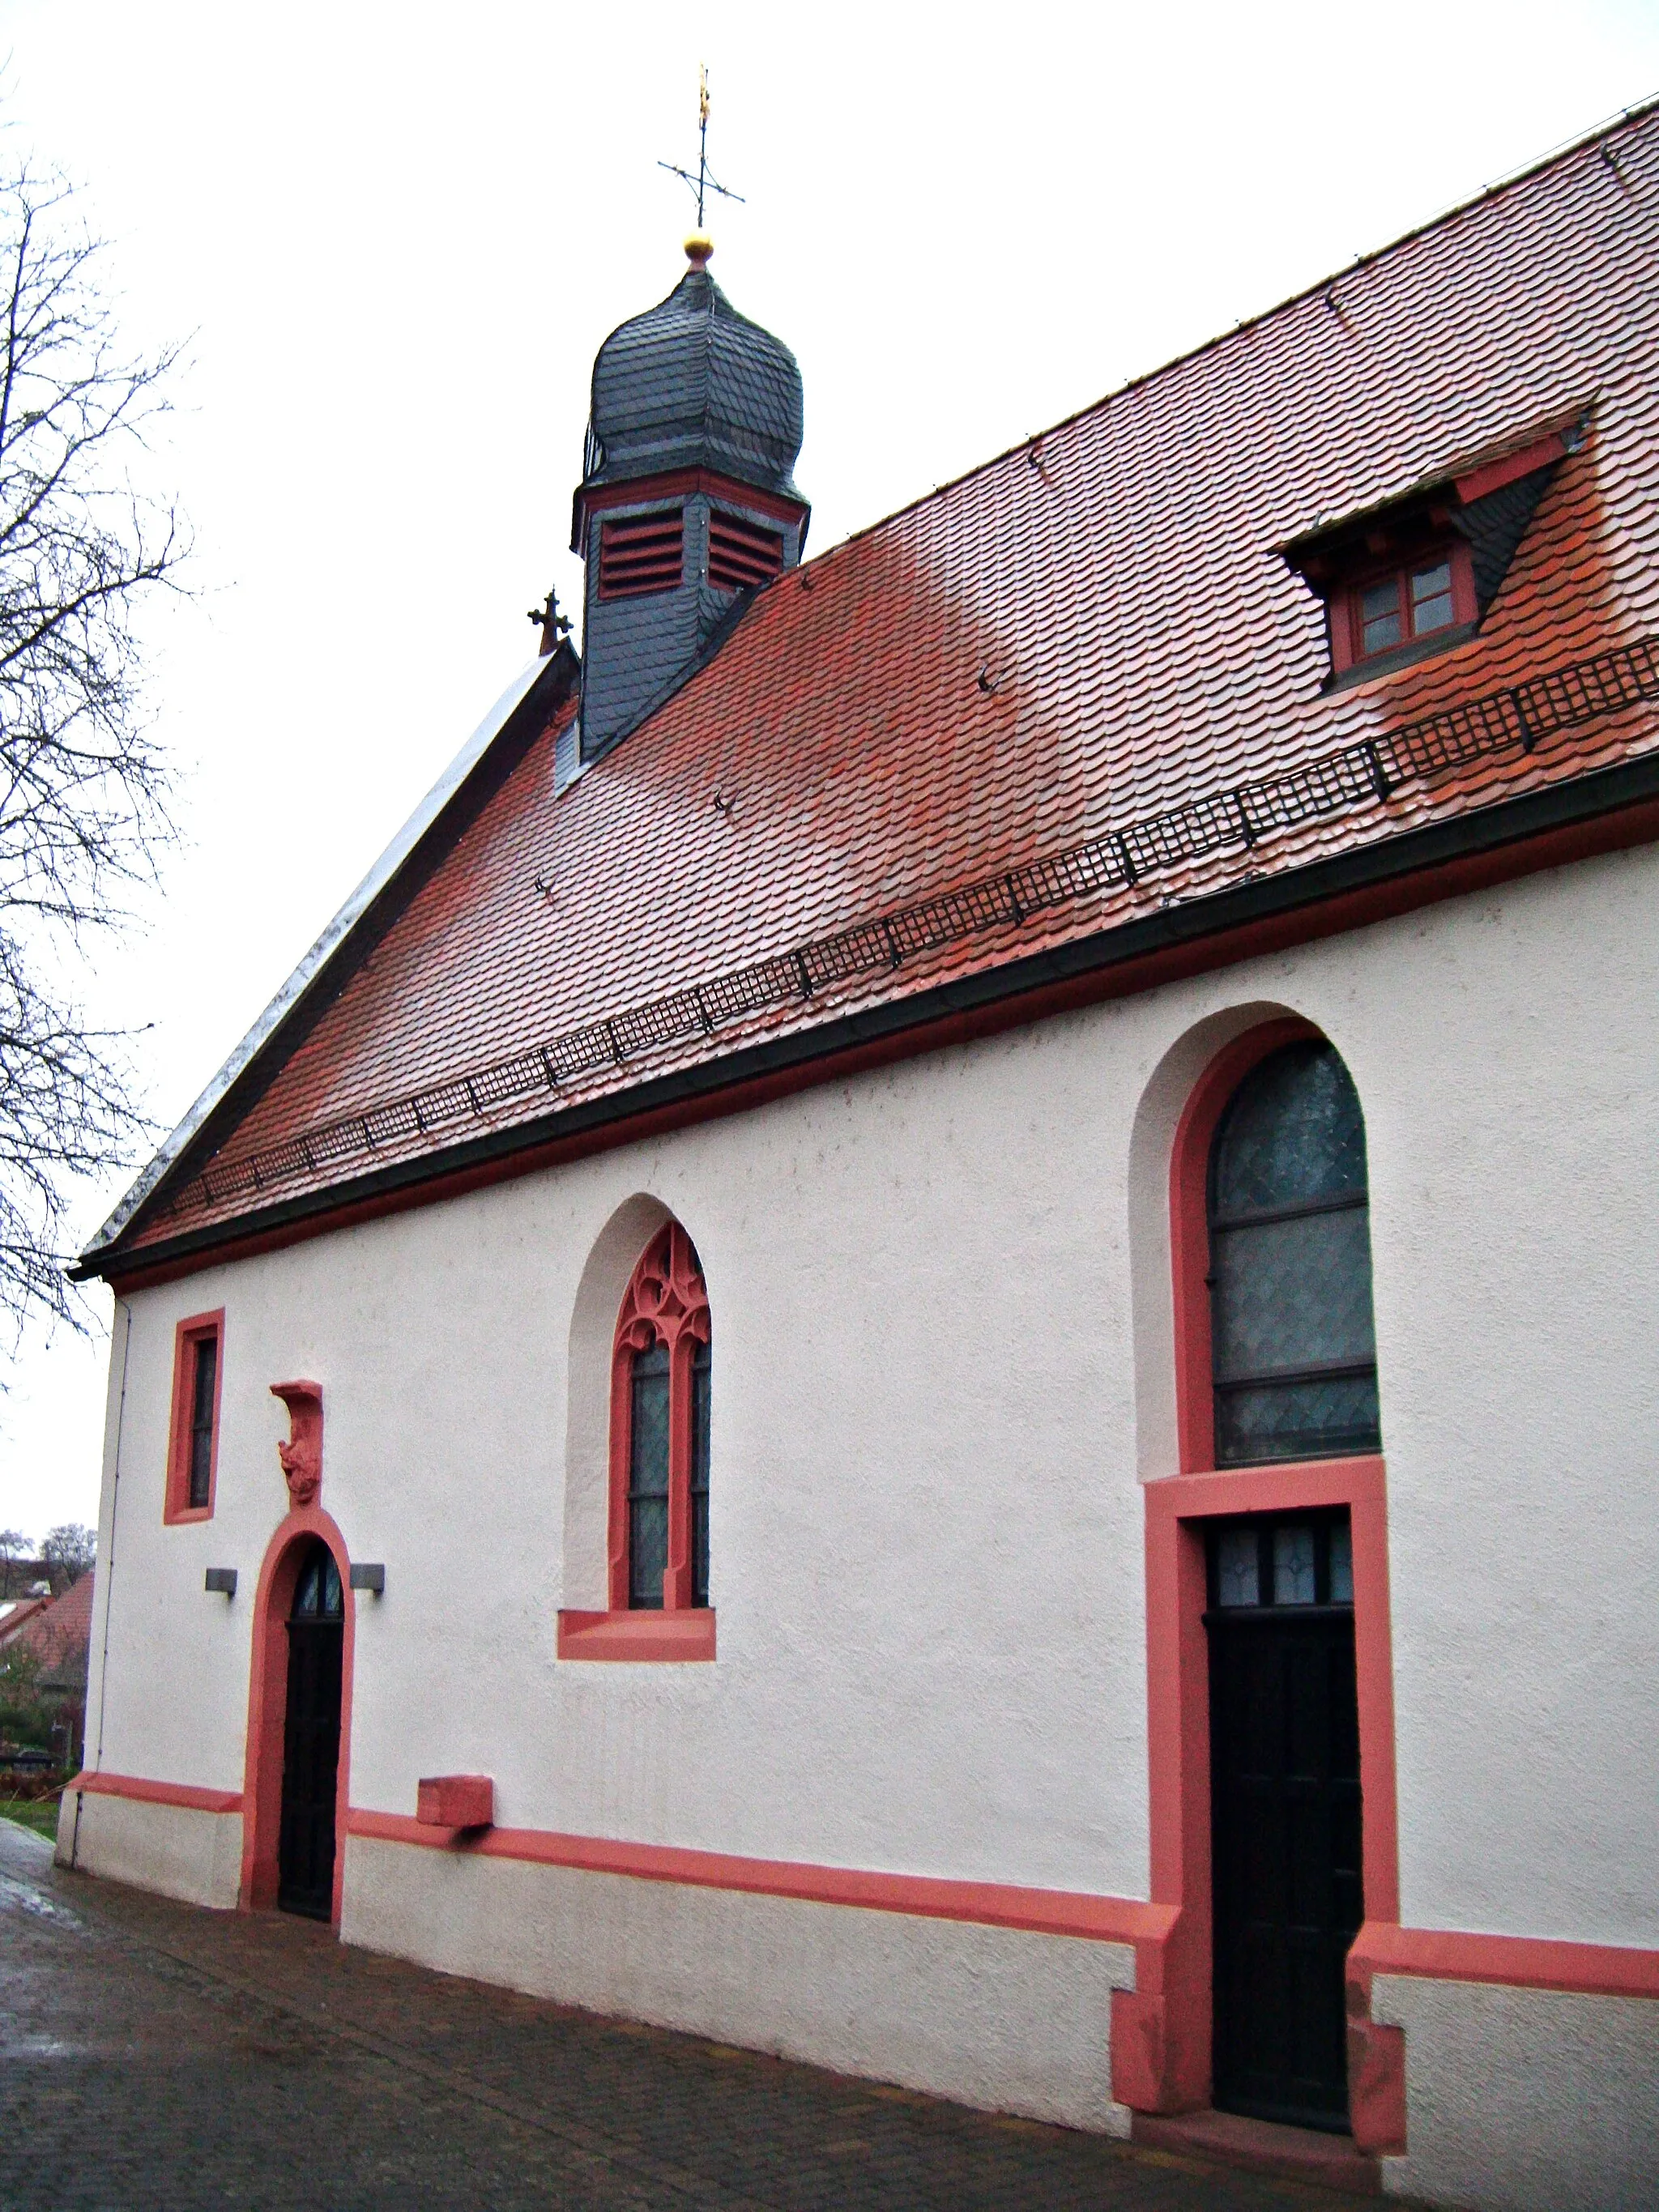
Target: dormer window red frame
1385	610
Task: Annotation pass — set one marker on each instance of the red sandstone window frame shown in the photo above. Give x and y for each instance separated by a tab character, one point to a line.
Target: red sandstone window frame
190	1334
1347	624
667	1301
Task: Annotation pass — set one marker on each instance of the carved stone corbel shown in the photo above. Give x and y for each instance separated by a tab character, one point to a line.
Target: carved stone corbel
302	1452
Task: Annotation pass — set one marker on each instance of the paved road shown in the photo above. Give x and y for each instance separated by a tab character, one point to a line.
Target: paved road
155	2055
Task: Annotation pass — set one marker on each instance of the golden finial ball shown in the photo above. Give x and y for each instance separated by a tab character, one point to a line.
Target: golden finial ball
698	247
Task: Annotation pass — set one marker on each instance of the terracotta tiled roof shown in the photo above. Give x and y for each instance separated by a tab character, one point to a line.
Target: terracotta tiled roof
59	1634
1093	629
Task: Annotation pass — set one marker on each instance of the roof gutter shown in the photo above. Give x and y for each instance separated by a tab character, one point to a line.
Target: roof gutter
1200	929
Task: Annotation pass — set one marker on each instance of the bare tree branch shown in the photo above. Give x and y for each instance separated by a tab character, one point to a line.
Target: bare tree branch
84	785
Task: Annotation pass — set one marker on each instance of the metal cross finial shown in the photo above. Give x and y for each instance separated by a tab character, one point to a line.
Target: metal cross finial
703	182
555	626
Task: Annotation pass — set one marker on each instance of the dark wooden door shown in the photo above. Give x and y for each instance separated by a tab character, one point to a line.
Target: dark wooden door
1285	1815
311	1739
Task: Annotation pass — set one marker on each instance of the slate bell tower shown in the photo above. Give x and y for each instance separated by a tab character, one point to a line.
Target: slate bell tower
687	502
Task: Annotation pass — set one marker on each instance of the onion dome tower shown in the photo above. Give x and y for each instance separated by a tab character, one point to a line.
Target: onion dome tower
688	503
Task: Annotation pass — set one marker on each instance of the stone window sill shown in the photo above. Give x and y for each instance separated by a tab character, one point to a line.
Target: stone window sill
638	1636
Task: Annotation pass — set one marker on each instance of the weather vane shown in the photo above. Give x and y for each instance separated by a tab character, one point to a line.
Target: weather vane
703	182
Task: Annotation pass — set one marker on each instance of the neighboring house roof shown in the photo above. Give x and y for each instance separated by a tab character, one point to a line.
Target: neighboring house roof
1075	701
59	1635
14	1613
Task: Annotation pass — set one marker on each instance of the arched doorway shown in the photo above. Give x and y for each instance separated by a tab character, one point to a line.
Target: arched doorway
298	1730
310	1737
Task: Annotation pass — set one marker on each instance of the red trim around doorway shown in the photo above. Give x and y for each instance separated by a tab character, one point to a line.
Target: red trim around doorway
261	1790
1161	2034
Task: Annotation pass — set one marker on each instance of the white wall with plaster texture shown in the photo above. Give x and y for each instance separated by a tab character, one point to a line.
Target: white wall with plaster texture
941	1331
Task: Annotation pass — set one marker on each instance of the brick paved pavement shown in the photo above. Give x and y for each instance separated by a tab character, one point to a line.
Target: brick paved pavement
155	2055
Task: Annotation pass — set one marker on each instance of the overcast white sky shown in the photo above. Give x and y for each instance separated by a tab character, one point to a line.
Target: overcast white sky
394	237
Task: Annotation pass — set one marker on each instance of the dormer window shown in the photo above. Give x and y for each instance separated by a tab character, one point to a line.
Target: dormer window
1416	574
1418	599
642	553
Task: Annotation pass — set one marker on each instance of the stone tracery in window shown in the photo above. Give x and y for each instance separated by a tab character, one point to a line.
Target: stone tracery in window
659	1425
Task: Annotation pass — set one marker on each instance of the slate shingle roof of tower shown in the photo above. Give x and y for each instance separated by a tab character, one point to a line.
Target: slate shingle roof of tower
1087	633
693	383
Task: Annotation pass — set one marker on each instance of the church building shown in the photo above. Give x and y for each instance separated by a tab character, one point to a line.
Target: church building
928	1340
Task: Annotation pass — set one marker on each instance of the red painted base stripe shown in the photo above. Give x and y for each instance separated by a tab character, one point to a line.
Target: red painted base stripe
1587	1969
994	1905
158	1793
1527	1962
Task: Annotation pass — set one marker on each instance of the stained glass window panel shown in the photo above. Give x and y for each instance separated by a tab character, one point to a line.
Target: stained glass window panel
1293	1134
700	1379
1293	1566
201	1419
1238	1567
1295	1420
1293	1294
1342	1564
307	1595
647	1485
1292	1335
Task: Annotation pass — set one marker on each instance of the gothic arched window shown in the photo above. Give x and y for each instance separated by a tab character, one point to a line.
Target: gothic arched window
1292	1346
659	1407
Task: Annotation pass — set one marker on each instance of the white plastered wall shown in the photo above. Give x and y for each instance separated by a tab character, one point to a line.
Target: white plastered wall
941	1371
1525	2100
991	2016
176	1850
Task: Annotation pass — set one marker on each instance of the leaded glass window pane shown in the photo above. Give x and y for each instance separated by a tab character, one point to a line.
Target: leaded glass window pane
1295	1420
201	1419
647	1484
1238	1567
1293	1294
1293	1134
1291	1329
307	1595
699	1377
1342	1564
1293	1566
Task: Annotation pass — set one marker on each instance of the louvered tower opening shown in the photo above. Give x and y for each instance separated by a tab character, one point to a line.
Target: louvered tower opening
741	553
642	553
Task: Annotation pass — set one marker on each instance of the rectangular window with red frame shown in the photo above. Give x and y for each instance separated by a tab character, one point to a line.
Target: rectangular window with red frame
1415	601
193	1433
